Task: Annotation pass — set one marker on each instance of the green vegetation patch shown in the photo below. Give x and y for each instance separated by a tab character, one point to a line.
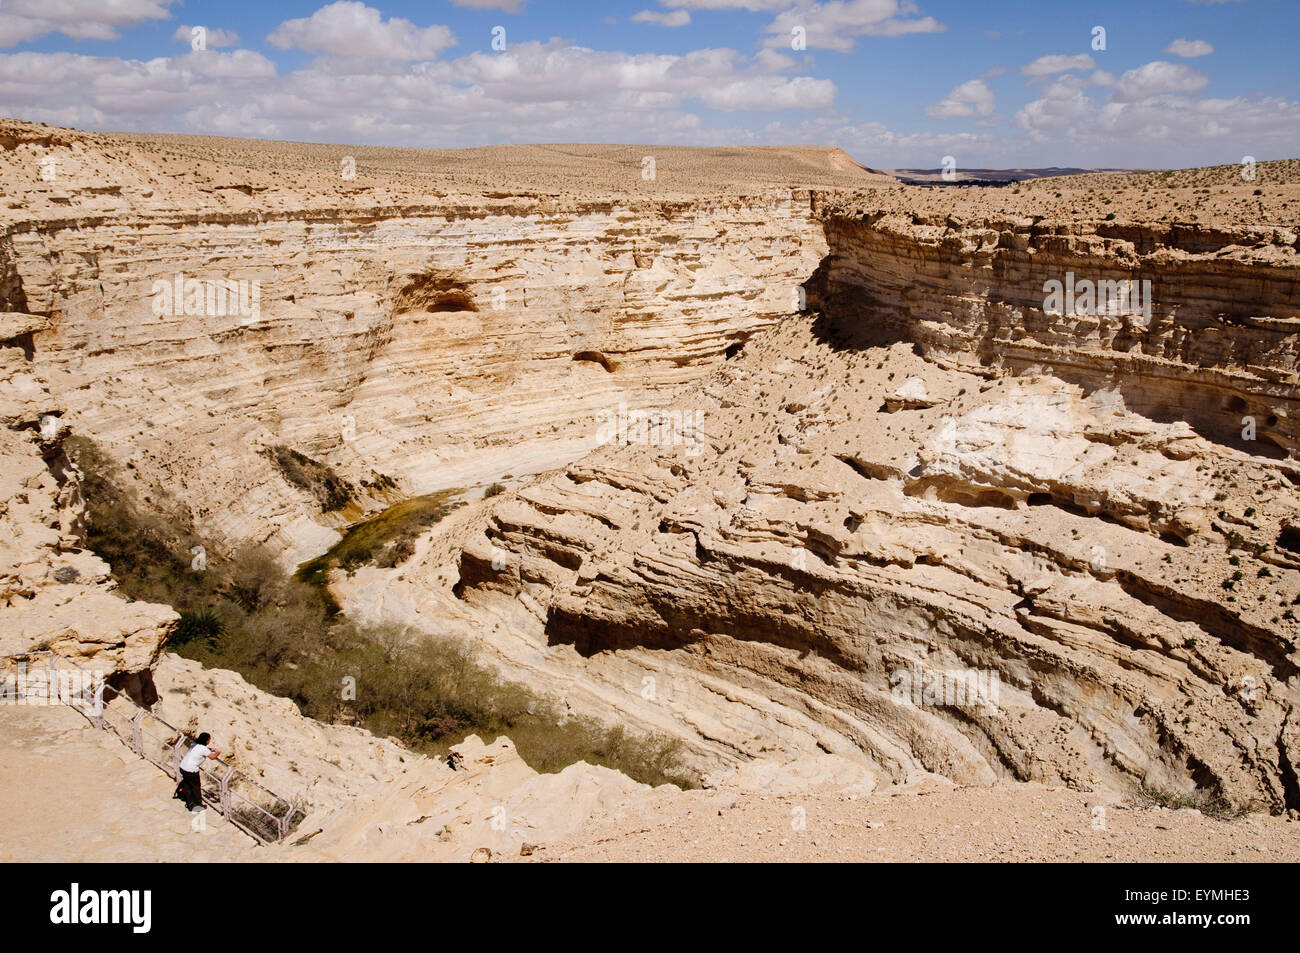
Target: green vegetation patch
332	492
244	612
386	539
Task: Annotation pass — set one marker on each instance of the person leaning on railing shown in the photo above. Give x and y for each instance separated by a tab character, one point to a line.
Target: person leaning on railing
190	789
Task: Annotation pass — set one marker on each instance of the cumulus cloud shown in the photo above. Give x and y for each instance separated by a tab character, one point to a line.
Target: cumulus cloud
1064	105
837	24
1166	128
379	80
973	98
1158	77
751	5
99	91
671	18
23	20
1057	63
534	92
876	145
349	28
508	6
216	37
771	61
771	92
1189	48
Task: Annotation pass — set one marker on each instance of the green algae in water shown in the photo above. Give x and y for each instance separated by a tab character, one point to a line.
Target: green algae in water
386	539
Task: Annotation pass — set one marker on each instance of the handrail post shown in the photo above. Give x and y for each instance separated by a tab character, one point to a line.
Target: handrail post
282	823
52	693
225	792
135	733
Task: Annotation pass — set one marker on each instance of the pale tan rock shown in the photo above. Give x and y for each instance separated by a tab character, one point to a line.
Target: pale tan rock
54	594
1062	502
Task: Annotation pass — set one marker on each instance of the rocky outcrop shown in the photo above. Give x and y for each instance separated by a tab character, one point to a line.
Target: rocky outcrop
370	799
54	593
1211	340
435	340
1063	563
860	485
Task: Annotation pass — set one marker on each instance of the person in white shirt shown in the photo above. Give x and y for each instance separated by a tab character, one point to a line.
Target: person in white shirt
190	789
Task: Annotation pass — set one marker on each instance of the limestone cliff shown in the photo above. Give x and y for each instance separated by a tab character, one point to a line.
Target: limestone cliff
934	475
434	338
55	593
885	460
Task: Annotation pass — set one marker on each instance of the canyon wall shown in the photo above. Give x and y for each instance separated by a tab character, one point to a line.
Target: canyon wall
436	345
940	529
1219	342
54	593
926	526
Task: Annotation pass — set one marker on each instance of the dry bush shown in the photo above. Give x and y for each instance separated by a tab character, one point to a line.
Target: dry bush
285	636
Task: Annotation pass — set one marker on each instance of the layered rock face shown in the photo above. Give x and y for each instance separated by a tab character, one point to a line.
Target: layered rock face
54	593
434	340
938	527
1213	341
938	523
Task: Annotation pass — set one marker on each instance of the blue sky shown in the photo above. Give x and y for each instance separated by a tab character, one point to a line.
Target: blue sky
895	83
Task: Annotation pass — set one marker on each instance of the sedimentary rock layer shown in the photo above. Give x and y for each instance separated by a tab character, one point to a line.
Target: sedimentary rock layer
438	341
931	481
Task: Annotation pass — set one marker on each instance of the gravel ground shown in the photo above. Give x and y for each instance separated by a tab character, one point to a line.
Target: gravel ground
1009	822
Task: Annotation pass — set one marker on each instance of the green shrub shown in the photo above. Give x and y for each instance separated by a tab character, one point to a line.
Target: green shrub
198	625
386	539
331	491
284	635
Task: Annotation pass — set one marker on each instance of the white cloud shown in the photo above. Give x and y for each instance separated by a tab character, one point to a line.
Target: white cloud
771	92
752	5
1189	48
237	64
1064	105
1158	77
1057	63
876	145
216	37
508	6
672	18
533	92
560	92
973	98
837	24
1166	128
771	61
23	20
99	91
350	28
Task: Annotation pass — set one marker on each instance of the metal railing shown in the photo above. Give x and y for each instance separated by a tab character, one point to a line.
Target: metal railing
259	812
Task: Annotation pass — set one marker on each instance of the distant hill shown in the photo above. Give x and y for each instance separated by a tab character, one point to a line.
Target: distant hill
986	176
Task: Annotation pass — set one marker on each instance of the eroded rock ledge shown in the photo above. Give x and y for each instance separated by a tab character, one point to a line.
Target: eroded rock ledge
1070	508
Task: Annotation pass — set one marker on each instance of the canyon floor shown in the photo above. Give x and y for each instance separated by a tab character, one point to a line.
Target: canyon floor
761	453
88	798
